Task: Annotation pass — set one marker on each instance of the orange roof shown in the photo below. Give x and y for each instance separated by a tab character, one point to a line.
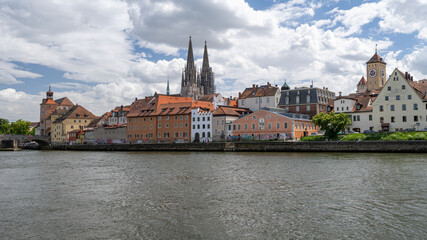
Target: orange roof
362	81
50	101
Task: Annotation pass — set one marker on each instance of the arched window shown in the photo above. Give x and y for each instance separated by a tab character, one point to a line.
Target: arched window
261	124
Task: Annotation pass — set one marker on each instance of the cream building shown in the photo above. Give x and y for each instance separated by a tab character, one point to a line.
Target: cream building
401	104
359	109
77	117
223	118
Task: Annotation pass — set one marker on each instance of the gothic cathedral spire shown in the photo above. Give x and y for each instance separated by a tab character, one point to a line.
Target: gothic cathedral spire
190	58
207	76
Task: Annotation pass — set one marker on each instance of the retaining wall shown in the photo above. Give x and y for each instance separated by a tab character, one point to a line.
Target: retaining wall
368	146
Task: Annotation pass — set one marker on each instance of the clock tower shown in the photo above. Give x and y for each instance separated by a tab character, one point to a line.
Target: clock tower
375	72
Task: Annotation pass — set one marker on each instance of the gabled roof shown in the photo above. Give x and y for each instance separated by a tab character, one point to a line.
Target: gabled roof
208	97
49	101
64	102
376	59
259	91
362	82
76	112
230	111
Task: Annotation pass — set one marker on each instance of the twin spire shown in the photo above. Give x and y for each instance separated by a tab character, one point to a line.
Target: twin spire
190	57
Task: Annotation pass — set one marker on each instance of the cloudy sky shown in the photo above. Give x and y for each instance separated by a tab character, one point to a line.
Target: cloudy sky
104	53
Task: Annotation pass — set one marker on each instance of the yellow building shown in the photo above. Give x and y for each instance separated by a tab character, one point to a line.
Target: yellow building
376	72
76	117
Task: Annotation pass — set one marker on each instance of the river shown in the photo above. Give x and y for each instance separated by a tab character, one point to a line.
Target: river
212	195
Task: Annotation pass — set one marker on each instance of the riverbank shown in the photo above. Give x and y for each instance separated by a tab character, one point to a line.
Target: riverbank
332	146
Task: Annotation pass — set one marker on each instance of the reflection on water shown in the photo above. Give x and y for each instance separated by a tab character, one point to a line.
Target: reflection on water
182	195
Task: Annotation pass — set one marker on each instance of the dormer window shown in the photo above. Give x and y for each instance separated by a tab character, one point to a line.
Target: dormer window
358	106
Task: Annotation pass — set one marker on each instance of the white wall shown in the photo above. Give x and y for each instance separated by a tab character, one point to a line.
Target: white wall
201	123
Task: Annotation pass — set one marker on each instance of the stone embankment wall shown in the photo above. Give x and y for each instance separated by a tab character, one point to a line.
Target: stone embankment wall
368	146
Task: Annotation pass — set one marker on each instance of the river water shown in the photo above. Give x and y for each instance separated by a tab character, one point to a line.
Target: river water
203	195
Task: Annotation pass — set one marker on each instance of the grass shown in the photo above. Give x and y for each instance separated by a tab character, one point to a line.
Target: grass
380	136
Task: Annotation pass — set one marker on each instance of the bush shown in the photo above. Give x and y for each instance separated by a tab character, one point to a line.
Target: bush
353	137
313	138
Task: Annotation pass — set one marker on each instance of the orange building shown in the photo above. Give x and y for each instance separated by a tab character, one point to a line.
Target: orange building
269	124
162	118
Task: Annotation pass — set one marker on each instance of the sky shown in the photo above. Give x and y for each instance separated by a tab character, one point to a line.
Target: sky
105	53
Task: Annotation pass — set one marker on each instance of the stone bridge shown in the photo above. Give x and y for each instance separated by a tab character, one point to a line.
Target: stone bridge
21	139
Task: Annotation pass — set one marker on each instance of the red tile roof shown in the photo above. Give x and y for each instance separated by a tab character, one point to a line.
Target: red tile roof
376	58
76	112
64	102
259	91
362	81
230	111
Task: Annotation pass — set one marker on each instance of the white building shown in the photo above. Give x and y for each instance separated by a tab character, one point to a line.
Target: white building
258	97
401	104
359	109
216	99
201	125
118	115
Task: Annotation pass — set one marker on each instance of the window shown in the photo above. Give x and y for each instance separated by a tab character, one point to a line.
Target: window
389	88
203	119
297	99
176	118
243	102
392	119
391	107
308	108
198	119
397	97
234	127
194	119
160	118
381	119
160	125
253	117
166	135
285	125
261	124
403	86
160	135
253	126
354	118
268	100
358	118
409	97
268	116
166	125
246	126
415	106
370	117
167	118
209	126
297	108
277	125
180	117
403	107
238	126
269	125
194	126
381	108
198	126
209	118
386	98
415	118
404	119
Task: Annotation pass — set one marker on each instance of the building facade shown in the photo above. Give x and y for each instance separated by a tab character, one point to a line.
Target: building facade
201	125
223	117
258	97
163	119
273	124
401	104
376	72
305	100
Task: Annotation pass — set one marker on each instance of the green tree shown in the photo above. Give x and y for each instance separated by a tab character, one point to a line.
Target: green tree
331	123
4	126
20	127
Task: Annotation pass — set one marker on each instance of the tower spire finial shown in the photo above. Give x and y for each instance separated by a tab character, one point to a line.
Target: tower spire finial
167	87
376	48
190	58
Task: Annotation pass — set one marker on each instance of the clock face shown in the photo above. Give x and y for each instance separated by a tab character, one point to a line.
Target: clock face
382	73
372	72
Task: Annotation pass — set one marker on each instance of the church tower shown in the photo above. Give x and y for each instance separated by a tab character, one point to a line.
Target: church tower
190	83
206	74
47	107
376	72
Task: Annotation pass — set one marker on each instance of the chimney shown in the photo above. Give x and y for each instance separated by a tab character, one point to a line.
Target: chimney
406	75
412	78
240	94
136	99
253	86
340	94
121	107
268	84
327	89
276	85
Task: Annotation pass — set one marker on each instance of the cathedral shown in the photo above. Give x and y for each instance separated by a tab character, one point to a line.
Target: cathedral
195	83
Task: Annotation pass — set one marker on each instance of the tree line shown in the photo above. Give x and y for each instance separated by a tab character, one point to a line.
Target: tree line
20	127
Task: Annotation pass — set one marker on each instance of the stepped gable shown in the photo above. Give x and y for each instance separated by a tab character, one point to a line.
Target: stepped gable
419	87
64	102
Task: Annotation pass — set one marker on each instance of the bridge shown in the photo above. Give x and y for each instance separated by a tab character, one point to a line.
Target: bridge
21	139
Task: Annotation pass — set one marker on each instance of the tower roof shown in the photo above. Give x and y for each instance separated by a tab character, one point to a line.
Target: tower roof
362	82
190	57
49	93
285	86
205	57
376	59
